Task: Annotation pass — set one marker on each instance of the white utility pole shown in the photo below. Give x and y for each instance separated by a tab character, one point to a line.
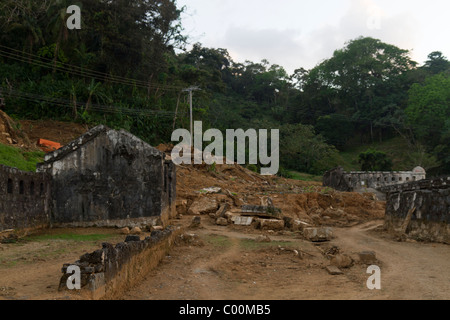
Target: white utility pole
190	89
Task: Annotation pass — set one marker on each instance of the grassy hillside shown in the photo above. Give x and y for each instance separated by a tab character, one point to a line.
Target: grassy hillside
402	156
13	157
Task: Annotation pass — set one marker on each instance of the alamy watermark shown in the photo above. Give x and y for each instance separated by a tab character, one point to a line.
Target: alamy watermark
374	281
258	149
74	21
73	282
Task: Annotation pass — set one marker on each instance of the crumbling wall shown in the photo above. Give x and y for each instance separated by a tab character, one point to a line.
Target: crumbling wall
109	178
24	199
341	180
336	179
108	272
430	200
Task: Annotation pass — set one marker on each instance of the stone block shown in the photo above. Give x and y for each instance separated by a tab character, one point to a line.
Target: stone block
195	222
270	224
243	221
341	261
367	257
334	271
132	238
203	205
222	222
221	212
318	234
261	211
136	230
294	224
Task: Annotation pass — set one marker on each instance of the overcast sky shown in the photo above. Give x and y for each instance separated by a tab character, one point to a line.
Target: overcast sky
302	33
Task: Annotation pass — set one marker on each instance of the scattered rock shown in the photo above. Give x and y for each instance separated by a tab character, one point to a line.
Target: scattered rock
211	190
270	224
181	206
261	211
222	222
195	223
243	221
230	216
318	234
237	202
342	261
136	230
204	205
191	239
125	230
334	271
367	257
156	228
132	238
263	238
334	213
222	210
294	224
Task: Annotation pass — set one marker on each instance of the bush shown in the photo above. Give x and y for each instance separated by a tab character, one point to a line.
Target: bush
373	160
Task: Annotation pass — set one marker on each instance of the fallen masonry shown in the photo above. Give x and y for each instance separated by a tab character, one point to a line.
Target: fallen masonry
318	234
420	209
107	272
261	211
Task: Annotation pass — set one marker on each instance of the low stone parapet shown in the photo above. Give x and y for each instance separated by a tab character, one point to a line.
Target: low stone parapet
106	273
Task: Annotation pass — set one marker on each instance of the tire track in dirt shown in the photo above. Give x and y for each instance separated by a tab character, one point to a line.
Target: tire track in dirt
210	286
408	270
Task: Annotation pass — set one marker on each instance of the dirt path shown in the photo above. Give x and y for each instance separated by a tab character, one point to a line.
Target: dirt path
409	270
230	265
226	263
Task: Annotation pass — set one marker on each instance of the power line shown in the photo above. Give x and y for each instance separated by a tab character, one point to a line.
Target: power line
78	71
95	107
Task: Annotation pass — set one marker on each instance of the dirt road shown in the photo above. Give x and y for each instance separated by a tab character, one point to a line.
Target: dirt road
409	270
229	264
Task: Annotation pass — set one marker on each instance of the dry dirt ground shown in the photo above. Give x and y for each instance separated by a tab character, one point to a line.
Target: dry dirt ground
226	263
30	269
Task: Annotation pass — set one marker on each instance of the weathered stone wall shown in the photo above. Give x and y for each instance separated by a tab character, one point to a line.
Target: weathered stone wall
24	199
358	180
109	178
431	200
108	272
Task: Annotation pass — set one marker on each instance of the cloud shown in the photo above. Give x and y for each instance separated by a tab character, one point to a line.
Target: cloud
277	46
292	48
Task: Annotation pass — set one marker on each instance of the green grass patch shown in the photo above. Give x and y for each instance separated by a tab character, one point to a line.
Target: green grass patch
70	237
14	157
218	241
403	158
305	176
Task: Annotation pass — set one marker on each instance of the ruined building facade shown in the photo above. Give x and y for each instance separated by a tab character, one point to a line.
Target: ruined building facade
429	203
103	178
341	180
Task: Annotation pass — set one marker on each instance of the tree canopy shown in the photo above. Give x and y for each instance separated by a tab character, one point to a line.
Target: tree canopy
128	66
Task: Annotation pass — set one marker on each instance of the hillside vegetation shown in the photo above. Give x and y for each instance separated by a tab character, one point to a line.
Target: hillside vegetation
128	68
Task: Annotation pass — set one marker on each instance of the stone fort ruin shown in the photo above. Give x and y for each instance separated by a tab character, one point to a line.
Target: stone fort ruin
423	205
357	181
104	178
416	206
